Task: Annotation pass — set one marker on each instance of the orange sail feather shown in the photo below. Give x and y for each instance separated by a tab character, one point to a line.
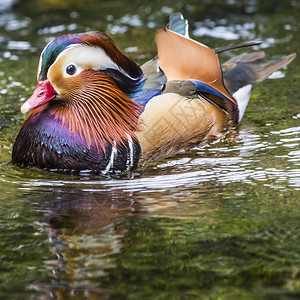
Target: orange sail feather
182	58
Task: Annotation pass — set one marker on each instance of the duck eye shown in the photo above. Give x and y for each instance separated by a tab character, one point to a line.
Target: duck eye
71	69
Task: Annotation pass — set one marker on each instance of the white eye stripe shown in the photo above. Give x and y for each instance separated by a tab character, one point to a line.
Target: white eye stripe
86	57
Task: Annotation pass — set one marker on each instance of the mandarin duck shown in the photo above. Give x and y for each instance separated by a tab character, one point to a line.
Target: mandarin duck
95	109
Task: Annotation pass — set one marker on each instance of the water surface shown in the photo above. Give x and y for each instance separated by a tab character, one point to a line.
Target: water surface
219	222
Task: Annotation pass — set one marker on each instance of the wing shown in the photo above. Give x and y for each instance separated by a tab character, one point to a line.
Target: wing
153	83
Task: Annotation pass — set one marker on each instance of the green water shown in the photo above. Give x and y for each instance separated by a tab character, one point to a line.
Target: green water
221	222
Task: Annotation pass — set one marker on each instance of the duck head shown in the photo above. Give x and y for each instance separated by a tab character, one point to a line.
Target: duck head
81	104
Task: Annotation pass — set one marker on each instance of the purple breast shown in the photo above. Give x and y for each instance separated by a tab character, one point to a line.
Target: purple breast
43	142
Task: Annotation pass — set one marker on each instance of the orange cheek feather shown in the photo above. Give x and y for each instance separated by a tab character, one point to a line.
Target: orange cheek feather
98	110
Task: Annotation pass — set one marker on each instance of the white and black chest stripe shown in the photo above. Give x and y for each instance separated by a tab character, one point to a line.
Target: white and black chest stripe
122	157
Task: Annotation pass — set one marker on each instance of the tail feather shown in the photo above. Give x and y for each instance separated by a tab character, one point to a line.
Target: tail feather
244	57
243	72
246	70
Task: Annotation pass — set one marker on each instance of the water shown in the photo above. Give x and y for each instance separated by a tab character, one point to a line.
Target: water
219	222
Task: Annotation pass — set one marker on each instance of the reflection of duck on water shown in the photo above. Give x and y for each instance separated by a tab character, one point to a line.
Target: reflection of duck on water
84	230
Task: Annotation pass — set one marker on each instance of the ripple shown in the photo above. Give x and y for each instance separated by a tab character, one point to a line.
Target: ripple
10	56
217	174
245	162
131	20
131	49
220	32
15	24
18	45
122	25
114	29
52	30
6	4
228	32
288	131
277	75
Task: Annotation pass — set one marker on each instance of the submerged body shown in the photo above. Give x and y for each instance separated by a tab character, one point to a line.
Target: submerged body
95	109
